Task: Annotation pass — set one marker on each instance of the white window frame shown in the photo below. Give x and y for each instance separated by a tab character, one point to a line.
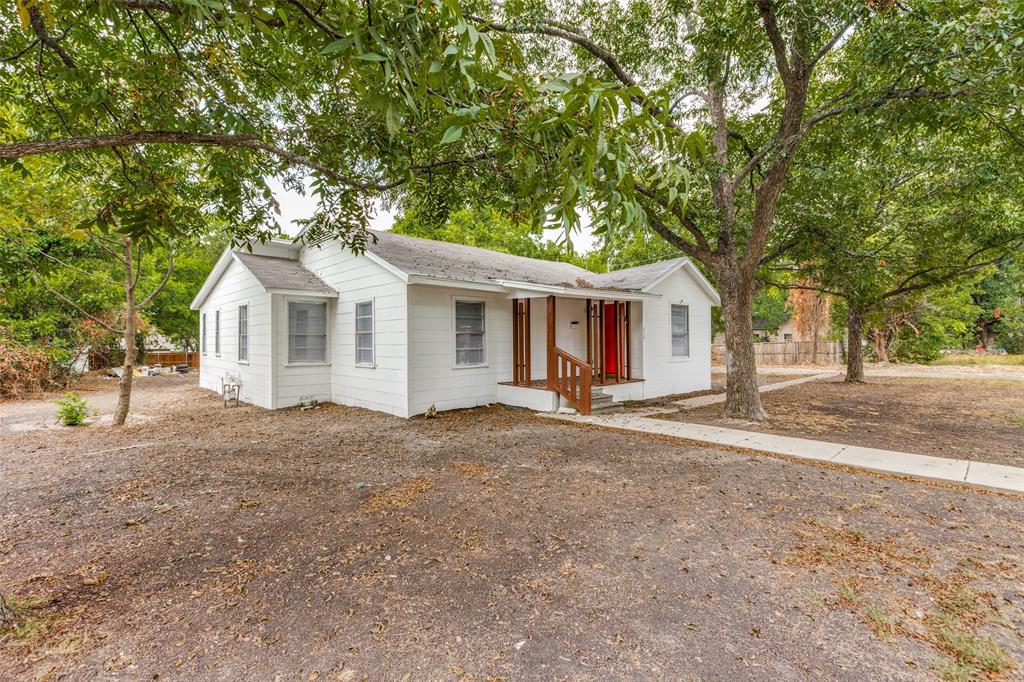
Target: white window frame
455	333
216	332
671	333
202	335
373	332
287	333
246	336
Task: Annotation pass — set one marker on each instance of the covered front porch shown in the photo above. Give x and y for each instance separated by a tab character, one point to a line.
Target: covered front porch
584	350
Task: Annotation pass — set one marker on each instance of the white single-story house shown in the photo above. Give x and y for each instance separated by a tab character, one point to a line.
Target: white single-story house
412	323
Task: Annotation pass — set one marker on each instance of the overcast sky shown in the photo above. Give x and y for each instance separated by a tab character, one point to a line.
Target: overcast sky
295	206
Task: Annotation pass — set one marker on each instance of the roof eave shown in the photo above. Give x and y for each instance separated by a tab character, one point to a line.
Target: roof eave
576	292
211	280
303	292
454	283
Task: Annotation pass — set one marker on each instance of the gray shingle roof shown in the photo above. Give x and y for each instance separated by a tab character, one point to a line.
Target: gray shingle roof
282	273
634	279
429	258
444	260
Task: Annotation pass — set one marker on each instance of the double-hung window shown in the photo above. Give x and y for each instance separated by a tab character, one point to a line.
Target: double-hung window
202	335
469	333
364	333
680	330
307	331
243	333
216	333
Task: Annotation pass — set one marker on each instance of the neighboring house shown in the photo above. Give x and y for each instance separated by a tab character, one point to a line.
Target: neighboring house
158	343
413	323
765	332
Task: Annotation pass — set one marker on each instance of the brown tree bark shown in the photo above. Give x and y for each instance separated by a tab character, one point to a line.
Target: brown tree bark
124	396
742	397
854	349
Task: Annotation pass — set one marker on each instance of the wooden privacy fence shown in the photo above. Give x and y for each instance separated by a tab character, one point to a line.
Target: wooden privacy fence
789	353
167	358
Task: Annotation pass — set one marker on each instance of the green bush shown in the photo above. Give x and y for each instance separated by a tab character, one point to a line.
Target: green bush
72	409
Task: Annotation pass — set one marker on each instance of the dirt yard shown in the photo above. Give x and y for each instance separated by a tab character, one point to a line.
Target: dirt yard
489	544
961	418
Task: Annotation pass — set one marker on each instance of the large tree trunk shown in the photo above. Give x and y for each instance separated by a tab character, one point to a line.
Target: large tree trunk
880	339
742	398
854	348
124	395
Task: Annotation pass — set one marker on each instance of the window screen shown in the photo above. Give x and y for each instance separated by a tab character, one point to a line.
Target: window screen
680	331
469	333
216	332
364	333
243	332
307	331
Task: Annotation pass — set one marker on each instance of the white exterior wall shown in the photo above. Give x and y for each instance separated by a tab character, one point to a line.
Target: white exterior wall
294	383
433	377
663	374
237	287
356	278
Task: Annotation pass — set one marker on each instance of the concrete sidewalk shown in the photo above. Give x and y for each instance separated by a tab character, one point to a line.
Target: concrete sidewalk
702	400
995	476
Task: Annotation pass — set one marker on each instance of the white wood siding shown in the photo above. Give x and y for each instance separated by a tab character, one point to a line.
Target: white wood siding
663	374
294	383
433	377
237	287
356	278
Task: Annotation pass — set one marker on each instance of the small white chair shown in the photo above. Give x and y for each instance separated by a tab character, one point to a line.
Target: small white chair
230	389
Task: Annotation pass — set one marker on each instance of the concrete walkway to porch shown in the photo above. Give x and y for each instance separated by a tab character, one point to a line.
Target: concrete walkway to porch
702	400
994	476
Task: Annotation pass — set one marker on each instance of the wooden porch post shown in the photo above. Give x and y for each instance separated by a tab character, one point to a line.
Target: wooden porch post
515	341
552	370
528	375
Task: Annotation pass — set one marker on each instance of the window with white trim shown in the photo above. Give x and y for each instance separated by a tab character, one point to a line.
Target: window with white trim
202	335
216	333
307	331
243	333
469	333
680	330
364	333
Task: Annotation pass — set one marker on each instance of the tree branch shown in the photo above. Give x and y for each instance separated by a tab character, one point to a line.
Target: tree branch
684	220
316	21
167	276
38	24
666	233
250	141
555	30
74	305
778	43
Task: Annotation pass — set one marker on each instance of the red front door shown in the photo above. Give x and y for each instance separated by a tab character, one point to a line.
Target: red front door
611	359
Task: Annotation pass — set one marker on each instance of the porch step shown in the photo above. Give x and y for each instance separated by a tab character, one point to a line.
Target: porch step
601	402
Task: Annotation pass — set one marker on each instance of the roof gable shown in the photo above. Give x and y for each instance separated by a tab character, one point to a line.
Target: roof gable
273	273
282	274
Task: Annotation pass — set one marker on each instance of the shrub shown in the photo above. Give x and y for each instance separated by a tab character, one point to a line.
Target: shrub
72	409
26	368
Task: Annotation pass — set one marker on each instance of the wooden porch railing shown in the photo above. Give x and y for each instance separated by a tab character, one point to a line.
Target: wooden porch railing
572	379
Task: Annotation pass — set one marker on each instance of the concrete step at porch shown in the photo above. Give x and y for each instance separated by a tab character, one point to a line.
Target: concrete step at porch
602	403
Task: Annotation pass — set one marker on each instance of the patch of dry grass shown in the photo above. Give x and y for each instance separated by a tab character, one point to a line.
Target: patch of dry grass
980	360
471	469
951	622
399	497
